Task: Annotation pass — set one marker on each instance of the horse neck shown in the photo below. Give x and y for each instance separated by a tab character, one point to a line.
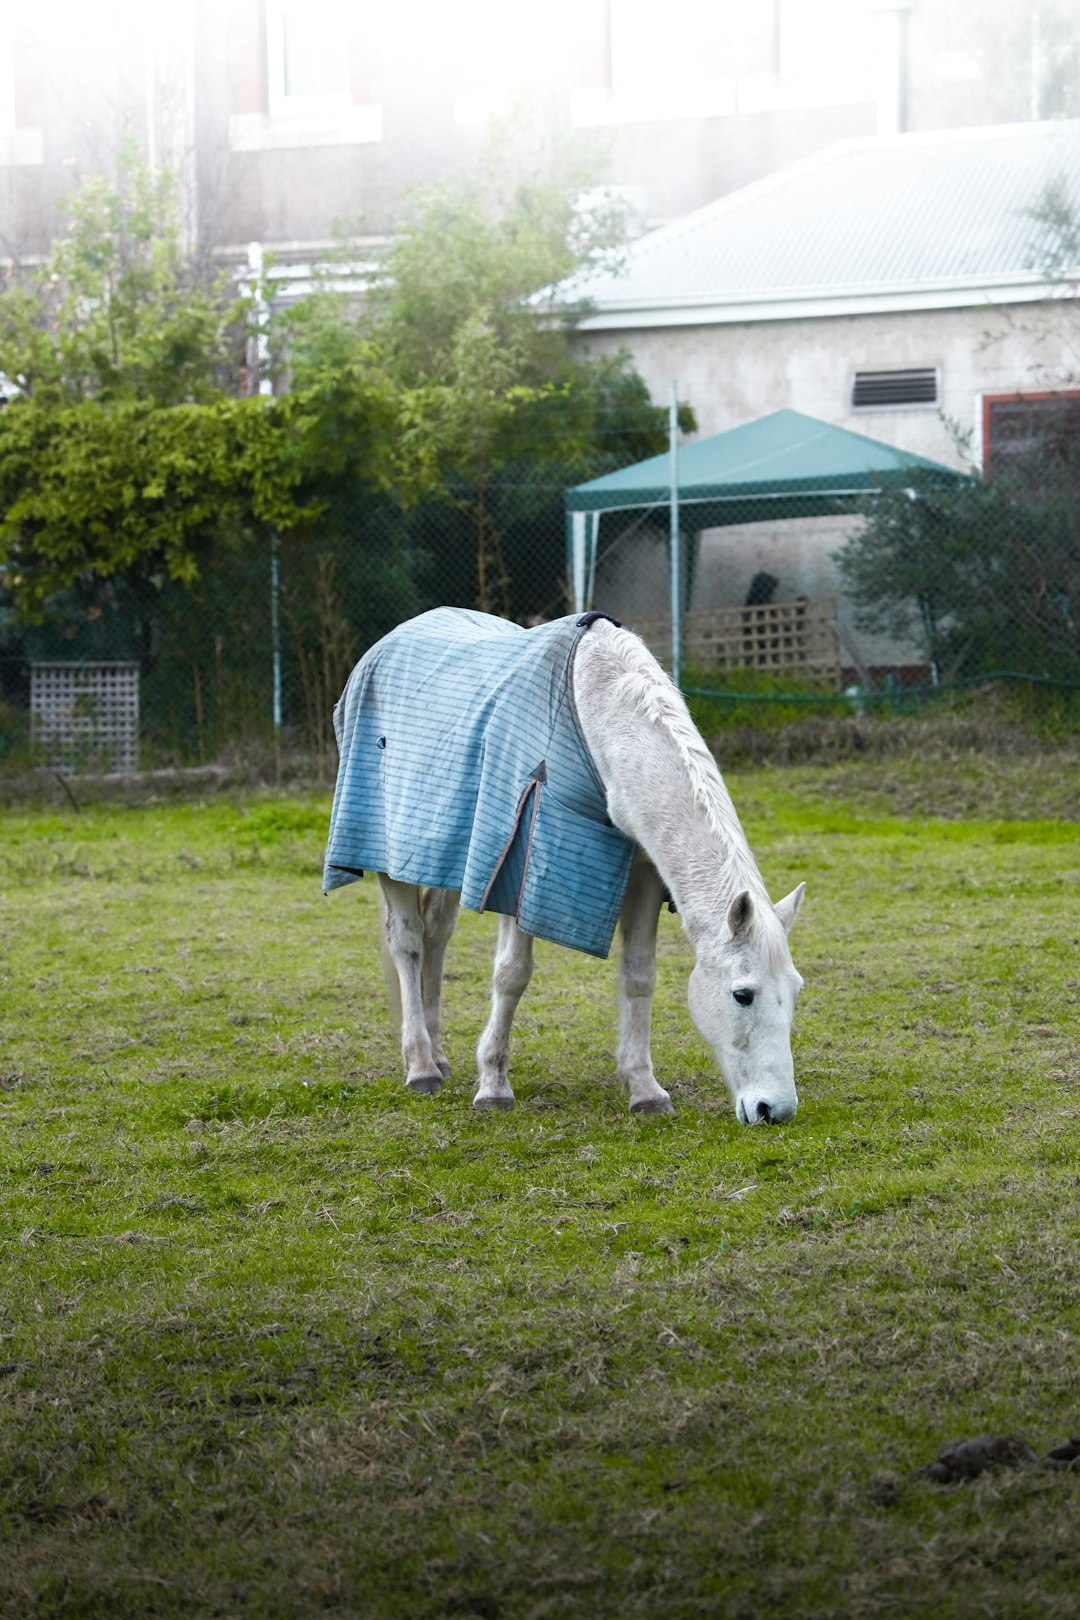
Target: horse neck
665	791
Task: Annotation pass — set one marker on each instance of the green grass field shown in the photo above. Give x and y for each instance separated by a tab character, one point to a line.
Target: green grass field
278	1338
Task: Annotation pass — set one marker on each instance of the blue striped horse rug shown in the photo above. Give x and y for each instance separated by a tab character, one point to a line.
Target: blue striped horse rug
463	766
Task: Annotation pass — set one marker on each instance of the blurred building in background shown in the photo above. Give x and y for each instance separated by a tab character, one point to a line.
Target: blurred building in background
287	118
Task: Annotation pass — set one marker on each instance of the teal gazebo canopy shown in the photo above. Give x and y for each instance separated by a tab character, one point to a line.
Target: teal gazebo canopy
784	465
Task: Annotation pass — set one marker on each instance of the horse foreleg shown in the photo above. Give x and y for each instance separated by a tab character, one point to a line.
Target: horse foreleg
404	924
439	909
513	970
637	981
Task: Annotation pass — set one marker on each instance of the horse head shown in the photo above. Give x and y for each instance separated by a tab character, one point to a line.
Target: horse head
743	992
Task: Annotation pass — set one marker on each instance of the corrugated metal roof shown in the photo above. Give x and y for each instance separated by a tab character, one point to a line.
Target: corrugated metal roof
910	221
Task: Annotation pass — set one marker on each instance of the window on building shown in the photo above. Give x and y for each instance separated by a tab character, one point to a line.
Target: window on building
685	43
828	42
492	50
7	75
1024	434
21	139
318	61
707	58
888	390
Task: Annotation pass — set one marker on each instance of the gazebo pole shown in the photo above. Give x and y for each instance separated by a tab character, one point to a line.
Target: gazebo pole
676	585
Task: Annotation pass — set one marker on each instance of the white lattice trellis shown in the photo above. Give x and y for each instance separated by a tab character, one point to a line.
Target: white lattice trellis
85	716
785	638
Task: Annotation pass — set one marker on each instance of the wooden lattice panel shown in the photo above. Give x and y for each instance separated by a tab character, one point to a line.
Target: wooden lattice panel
85	716
788	638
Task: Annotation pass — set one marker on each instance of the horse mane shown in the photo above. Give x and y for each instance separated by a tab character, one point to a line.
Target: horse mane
643	685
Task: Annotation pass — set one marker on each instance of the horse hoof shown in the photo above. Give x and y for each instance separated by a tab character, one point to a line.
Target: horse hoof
443	1067
426	1084
496	1099
653	1105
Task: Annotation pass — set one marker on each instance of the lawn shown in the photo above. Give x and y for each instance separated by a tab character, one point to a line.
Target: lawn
279	1338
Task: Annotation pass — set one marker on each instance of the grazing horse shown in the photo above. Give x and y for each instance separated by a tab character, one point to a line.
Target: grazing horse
554	775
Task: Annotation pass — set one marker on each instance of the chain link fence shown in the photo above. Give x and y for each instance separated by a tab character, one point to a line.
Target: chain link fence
144	673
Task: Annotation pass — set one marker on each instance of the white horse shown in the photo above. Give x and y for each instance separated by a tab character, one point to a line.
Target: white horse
665	792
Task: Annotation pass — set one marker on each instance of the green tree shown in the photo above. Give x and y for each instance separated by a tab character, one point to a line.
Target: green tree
138	494
120	312
125	452
985	576
131	489
473	333
498	405
493	248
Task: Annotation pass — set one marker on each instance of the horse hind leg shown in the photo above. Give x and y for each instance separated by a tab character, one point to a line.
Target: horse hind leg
513	970
439	910
403	925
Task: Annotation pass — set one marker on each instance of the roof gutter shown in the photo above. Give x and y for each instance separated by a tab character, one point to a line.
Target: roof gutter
620	315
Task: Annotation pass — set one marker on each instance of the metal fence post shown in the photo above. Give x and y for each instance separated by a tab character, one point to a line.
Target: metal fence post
275	629
263	386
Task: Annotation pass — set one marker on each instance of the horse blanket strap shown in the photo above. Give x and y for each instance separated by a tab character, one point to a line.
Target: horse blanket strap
463	766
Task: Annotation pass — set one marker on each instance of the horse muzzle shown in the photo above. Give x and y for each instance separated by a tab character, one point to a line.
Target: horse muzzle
759	1109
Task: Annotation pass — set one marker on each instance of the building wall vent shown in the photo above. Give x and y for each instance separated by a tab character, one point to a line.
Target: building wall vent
884	390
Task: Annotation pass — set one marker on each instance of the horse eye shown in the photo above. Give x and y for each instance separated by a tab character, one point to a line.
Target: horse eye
743	997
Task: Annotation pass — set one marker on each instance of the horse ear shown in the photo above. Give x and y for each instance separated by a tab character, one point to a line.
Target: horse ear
741	912
787	909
